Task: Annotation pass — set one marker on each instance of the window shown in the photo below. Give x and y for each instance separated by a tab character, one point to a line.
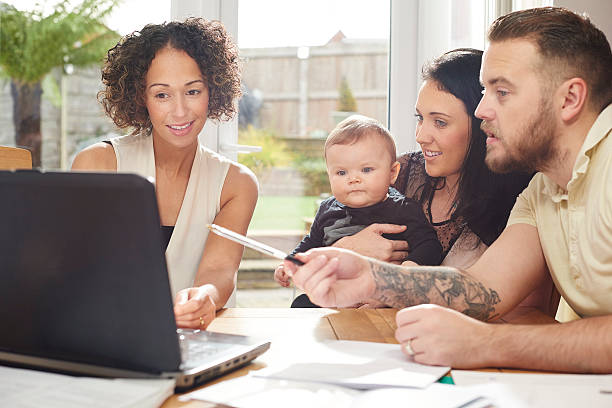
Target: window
71	117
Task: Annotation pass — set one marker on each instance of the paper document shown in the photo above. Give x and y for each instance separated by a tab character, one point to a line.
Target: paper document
28	388
546	390
355	364
253	392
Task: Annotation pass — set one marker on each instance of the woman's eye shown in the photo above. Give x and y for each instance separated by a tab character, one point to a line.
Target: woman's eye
418	117
161	95
440	123
194	92
367	169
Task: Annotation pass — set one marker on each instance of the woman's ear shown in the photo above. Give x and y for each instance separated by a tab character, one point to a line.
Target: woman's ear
395	168
573	93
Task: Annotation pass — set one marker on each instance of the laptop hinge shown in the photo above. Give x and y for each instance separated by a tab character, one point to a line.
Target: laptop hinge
75	367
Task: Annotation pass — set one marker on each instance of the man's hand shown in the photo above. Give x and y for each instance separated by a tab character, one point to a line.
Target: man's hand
194	308
369	242
441	336
333	277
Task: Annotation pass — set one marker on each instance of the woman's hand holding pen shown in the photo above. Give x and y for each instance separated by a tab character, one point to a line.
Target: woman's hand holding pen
194	308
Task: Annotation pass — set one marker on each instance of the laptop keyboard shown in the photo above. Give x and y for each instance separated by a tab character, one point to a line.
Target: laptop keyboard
197	349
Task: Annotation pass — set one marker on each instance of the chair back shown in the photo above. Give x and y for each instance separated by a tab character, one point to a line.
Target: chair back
12	158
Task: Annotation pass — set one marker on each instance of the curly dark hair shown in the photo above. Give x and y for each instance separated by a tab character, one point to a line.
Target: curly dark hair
127	63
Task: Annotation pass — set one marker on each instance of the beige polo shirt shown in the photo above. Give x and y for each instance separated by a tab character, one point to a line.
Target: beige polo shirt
575	226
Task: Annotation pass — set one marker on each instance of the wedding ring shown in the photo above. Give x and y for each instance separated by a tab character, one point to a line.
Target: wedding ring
201	321
408	348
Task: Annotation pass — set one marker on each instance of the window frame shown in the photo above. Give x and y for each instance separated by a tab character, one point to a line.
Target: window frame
419	31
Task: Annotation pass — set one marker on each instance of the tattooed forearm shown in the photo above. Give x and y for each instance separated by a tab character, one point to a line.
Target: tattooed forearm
399	286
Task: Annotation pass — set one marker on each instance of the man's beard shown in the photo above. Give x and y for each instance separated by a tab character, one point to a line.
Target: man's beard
534	148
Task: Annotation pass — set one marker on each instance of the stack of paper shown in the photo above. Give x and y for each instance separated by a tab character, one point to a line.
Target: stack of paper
254	392
333	374
351	374
356	364
29	388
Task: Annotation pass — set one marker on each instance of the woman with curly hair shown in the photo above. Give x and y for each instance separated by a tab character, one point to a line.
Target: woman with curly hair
163	82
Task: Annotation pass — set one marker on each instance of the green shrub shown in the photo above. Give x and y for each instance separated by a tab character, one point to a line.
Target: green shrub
314	172
346	100
274	151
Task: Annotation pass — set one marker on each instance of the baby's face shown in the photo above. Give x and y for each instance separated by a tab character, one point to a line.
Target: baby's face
360	173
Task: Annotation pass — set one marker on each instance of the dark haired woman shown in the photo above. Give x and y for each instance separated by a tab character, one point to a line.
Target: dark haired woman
163	83
467	203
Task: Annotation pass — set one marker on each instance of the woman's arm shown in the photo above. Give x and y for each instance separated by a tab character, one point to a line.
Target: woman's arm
221	257
369	242
425	249
215	279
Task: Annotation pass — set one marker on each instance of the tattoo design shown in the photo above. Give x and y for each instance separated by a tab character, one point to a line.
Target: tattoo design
399	286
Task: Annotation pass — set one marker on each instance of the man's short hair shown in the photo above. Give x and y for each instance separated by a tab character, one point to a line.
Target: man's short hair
355	128
569	44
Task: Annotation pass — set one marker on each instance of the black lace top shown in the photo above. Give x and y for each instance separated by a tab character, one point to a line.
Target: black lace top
414	182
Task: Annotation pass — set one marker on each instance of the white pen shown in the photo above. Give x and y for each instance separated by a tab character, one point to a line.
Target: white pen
251	243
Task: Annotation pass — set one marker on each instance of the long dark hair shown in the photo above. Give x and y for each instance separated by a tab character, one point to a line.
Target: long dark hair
484	199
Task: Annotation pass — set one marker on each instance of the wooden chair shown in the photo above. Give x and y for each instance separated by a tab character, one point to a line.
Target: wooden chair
15	158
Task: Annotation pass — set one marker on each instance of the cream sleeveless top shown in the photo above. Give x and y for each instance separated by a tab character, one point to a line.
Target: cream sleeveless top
200	205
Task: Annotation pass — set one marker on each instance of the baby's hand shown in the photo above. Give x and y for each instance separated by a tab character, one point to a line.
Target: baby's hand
281	276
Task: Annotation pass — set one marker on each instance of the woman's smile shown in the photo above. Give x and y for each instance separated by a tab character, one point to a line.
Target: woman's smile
181	130
430	155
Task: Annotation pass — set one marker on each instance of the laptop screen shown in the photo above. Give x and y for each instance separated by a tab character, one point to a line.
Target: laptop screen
83	275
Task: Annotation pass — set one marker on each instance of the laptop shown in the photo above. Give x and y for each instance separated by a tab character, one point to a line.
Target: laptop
84	286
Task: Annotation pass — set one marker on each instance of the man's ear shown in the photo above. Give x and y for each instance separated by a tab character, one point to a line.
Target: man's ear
395	168
574	93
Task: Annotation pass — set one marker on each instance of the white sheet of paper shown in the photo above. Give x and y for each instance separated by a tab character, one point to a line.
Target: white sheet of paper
493	395
256	392
540	390
434	396
355	364
253	392
30	388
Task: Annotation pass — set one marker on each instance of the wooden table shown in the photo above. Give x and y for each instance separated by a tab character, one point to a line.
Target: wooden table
291	330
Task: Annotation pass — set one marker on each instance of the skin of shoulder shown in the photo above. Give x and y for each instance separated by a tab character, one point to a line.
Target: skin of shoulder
100	156
239	182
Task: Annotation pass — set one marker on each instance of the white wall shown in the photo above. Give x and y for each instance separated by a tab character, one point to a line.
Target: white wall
218	136
599	11
421	30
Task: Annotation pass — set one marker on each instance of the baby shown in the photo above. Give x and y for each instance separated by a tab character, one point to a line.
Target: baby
361	166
